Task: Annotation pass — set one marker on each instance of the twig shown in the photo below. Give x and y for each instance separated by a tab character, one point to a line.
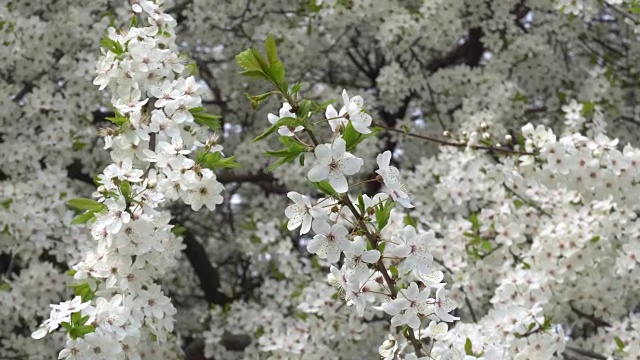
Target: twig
456	144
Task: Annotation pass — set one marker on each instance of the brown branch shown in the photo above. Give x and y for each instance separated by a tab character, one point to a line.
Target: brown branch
391	284
586	353
470	52
265	181
207	275
457	144
595	320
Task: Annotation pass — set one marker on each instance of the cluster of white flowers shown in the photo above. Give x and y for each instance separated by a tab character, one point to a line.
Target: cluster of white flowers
548	220
120	304
539	252
353	233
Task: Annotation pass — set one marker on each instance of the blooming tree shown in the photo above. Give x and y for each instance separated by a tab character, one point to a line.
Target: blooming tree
426	180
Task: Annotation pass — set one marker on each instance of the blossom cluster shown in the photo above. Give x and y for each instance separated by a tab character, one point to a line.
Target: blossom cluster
351	235
156	110
536	240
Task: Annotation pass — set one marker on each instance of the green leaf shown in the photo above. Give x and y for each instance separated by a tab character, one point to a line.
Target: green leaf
325	187
486	245
202	118
261	61
315	263
216	161
6	203
83	290
5	287
353	138
85	204
619	343
125	189
78	145
468	347
178	230
547	323
473	219
296	88
190	69
71	272
66	326
75	317
256	100
324	105
277	72
304	108
259	74
393	270
361	206
81	331
588	107
383	213
247	61
272	52
290	153
286	121
408	220
112	45
96	181
518	203
83	218
134	20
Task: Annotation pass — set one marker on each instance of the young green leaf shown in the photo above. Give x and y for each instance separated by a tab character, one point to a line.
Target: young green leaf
353	138
325	187
468	347
125	189
85	204
383	213
293	150
272	52
215	161
202	118
84	217
247	61
286	121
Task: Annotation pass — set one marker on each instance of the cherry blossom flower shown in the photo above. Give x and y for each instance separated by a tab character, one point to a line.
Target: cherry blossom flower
205	191
299	212
414	248
116	216
444	305
393	185
353	110
408	307
285	112
333	164
329	242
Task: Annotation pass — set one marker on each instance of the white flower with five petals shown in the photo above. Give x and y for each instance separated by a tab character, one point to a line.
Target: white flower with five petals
333	164
329	242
